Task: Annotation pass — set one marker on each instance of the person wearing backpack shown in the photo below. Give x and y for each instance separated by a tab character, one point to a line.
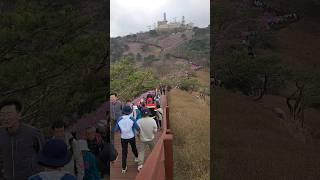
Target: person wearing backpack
94	140
91	170
109	153
53	157
76	165
137	112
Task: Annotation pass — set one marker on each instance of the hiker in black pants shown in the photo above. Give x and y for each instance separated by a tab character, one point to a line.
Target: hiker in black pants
127	126
164	91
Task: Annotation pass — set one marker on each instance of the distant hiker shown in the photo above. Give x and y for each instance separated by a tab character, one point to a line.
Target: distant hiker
94	140
53	157
91	170
148	128
159	116
136	112
129	103
103	130
157	99
116	112
164	90
127	126
19	143
75	166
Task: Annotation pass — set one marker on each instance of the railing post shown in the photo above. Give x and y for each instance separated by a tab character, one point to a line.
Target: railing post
167	117
168	154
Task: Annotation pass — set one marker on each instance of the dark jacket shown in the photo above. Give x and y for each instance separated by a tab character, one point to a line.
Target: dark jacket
108	154
95	145
116	110
19	152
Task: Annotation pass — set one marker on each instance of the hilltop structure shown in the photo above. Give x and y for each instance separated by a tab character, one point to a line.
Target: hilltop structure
165	26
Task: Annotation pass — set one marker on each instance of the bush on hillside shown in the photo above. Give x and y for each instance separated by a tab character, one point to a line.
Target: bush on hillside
144	48
129	81
189	84
241	73
153	33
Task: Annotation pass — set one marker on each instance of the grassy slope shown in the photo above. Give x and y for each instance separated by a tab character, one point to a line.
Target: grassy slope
190	123
249	143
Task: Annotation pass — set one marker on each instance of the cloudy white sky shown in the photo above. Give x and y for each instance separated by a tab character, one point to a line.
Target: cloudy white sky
132	16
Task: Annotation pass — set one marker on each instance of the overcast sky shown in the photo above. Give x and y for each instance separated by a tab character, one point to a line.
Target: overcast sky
132	16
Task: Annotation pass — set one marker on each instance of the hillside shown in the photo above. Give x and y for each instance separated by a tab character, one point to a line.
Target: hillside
251	143
171	56
266	61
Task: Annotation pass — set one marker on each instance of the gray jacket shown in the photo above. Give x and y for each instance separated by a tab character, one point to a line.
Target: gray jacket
116	110
19	152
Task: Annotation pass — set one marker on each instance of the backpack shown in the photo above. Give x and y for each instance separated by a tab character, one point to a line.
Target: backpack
138	114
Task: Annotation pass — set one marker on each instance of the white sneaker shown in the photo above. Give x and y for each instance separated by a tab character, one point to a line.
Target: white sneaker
140	167
136	160
124	170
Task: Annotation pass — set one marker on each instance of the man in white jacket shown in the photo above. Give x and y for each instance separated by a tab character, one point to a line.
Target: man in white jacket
148	129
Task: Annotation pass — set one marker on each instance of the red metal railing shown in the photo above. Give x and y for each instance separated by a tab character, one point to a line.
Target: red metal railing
159	164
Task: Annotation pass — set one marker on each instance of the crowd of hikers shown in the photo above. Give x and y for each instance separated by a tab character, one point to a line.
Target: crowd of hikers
25	153
141	118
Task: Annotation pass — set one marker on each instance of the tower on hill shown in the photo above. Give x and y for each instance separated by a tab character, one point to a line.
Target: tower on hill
165	26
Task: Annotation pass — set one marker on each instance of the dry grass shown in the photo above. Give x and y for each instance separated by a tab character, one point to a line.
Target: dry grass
250	143
203	77
190	123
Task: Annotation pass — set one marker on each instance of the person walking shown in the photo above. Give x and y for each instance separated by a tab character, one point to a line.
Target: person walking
53	157
108	154
127	126
94	140
91	171
116	112
76	165
19	143
148	129
159	116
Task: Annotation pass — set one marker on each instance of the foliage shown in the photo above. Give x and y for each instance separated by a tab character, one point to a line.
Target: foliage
189	84
311	81
117	49
129	81
247	75
139	56
196	49
51	61
144	47
149	60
